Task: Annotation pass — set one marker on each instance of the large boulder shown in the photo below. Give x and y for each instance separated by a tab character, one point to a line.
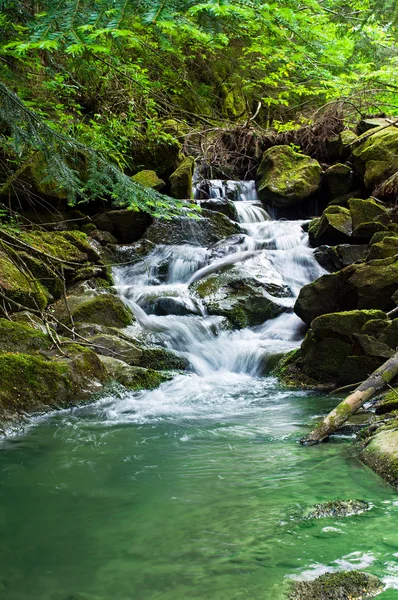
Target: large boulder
383	245
181	179
131	377
126	225
90	307
333	227
367	285
285	177
208	229
243	300
368	217
375	155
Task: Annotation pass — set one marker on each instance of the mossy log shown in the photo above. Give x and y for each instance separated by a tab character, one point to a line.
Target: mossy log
374	383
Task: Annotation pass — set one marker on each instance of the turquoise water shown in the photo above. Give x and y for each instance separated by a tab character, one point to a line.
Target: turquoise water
193	491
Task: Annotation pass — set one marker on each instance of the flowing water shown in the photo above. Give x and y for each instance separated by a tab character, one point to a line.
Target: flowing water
194	490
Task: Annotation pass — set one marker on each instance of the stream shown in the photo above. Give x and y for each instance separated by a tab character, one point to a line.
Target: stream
194	490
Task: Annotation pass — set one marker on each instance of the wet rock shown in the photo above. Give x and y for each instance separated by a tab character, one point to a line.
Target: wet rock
356	423
208	229
162	359
333	227
285	177
381	454
222	205
375	157
126	225
245	301
181	179
149	179
112	345
338	509
133	378
352	585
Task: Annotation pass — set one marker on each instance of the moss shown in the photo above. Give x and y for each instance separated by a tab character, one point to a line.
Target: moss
19	285
385	248
381	454
338	180
368	217
334	227
161	359
17	337
104	309
353	585
149	179
286	177
181	179
376	156
134	378
388	404
67	245
343	325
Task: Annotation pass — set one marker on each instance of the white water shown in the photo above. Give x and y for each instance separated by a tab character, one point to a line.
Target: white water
157	290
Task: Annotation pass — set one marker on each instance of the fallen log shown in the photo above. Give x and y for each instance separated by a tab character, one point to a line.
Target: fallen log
368	388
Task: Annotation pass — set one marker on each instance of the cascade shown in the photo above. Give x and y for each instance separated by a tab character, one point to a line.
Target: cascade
274	252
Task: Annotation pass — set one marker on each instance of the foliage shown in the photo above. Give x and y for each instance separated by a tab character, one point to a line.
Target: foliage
110	74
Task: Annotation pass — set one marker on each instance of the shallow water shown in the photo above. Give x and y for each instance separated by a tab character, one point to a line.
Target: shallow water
195	490
147	497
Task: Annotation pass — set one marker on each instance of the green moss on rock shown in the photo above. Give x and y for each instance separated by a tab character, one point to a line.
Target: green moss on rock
181	179
286	177
104	309
334	227
19	285
388	403
149	179
134	378
161	359
381	454
18	337
345	324
352	585
375	157
368	217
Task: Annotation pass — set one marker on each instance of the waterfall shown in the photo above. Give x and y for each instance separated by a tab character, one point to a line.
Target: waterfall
274	252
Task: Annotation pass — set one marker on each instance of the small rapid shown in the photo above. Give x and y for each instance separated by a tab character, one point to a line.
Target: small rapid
159	288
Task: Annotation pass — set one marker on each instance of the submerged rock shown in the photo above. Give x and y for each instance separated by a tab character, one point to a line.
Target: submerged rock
352	585
285	177
338	508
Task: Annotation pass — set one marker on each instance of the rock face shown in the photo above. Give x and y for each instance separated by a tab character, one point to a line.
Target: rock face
285	177
337	350
208	229
243	300
375	155
368	285
126	225
353	585
181	179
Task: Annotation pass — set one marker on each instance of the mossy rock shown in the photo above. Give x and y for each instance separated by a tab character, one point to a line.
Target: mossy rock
34	384
334	227
161	359
149	179
375	155
339	180
20	286
320	297
343	325
346	139
381	454
337	509
352	585
285	177
104	309
181	179
161	154
371	346
389	335
334	258
133	378
357	368
385	248
19	337
208	229
71	246
112	345
368	217
388	403
322	359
